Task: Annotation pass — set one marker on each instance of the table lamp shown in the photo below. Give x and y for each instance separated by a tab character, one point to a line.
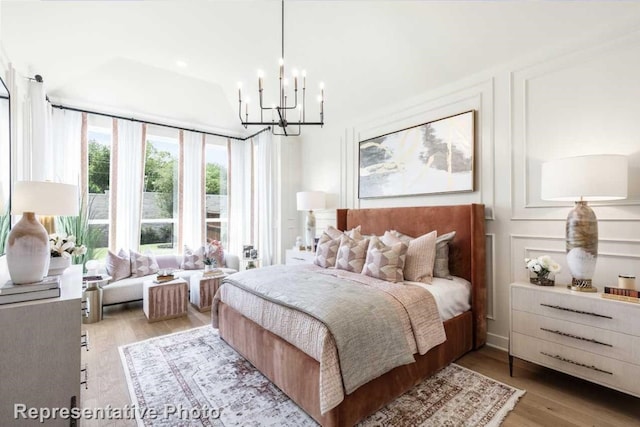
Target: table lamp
584	179
28	250
308	201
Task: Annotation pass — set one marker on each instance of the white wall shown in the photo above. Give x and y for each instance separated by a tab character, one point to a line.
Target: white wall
577	101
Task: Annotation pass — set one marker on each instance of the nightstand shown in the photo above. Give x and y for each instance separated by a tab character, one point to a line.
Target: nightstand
580	334
294	257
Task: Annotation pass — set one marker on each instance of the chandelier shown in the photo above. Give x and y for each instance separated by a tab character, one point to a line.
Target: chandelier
285	118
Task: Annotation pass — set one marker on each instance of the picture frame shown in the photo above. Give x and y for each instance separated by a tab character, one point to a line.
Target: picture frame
435	157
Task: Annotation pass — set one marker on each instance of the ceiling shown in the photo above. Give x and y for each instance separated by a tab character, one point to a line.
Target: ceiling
121	56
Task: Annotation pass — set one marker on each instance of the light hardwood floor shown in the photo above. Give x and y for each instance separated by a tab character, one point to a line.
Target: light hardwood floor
552	398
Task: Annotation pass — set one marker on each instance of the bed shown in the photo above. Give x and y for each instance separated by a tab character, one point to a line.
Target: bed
298	375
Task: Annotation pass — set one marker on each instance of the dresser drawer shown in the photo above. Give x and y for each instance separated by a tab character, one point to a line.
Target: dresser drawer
604	342
599	369
579	308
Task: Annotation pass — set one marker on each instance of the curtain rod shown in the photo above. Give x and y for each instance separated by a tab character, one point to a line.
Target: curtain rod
79	110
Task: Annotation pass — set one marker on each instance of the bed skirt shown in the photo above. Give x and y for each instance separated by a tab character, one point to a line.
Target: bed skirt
297	374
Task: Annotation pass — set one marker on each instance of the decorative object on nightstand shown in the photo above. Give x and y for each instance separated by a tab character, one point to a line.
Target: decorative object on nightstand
542	270
308	201
63	247
28	252
583	179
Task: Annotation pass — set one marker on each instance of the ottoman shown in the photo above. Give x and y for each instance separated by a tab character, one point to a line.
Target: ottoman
161	301
203	289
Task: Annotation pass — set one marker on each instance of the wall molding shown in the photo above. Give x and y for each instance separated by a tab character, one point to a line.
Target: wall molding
491	278
523	208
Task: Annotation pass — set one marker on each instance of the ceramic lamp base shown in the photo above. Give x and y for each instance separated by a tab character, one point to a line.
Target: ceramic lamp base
28	251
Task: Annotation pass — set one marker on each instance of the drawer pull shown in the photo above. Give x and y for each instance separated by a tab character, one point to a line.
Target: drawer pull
298	259
582	365
84	340
588	313
85	382
576	337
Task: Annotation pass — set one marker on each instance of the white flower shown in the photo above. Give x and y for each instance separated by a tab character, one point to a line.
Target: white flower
545	261
554	267
537	268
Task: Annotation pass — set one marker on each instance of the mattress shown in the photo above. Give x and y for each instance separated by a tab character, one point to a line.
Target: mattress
453	297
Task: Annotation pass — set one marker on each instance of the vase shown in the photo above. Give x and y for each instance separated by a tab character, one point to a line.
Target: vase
545	280
57	265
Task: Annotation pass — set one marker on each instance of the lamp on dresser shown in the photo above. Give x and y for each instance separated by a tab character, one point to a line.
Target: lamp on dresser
308	201
28	251
584	179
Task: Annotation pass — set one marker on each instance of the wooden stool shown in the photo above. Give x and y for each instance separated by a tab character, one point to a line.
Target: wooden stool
163	301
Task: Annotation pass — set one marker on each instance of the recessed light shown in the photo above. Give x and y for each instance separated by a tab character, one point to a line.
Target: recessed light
181	64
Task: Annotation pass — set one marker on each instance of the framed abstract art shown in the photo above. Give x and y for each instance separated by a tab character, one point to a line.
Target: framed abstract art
430	158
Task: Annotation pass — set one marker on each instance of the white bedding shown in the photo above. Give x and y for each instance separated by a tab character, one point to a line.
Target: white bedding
453	297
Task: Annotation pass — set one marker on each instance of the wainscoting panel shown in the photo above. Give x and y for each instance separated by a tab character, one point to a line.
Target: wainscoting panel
584	103
491	275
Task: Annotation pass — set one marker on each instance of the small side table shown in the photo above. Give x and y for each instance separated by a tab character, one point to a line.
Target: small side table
249	263
92	297
162	301
203	289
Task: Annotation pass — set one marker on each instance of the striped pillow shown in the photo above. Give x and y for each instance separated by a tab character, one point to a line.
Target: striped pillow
441	265
385	262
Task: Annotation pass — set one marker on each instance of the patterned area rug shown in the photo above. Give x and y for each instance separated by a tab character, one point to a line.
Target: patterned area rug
194	378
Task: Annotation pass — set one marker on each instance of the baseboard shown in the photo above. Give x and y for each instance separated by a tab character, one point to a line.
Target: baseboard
498	341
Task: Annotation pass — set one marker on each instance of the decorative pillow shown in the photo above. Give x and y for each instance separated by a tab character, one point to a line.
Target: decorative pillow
327	251
352	254
143	265
385	262
118	266
420	258
333	232
192	260
441	265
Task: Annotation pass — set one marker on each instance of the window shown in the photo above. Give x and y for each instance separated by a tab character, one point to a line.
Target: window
216	191
158	228
99	164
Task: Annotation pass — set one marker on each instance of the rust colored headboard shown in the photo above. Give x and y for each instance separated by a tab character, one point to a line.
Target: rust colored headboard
467	251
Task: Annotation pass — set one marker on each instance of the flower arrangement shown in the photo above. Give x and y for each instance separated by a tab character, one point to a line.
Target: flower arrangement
213	253
542	267
65	246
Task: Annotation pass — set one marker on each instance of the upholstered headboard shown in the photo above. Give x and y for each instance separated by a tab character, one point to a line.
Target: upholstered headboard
467	251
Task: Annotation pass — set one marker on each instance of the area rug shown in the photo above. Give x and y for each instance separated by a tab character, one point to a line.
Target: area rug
194	378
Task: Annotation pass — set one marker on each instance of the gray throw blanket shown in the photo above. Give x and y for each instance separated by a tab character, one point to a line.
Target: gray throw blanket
363	320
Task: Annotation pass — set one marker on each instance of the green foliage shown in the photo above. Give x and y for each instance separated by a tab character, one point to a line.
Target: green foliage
5	220
79	227
216	179
99	165
160	176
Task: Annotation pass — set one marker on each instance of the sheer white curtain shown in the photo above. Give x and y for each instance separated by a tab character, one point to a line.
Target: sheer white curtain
266	186
128	192
193	191
66	127
240	195
39	130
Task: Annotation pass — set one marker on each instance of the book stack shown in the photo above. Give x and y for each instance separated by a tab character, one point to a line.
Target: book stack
164	277
628	295
215	272
49	287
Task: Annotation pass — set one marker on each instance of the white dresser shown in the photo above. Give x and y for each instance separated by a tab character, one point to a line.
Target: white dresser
580	334
294	257
40	356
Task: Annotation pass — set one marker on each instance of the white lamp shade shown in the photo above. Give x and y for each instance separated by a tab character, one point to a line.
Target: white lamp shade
590	178
310	200
44	198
